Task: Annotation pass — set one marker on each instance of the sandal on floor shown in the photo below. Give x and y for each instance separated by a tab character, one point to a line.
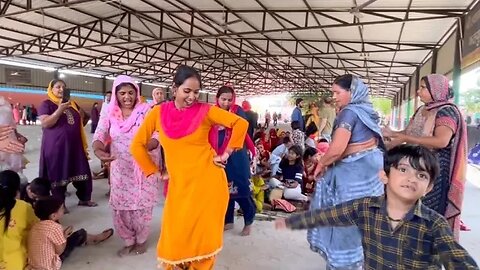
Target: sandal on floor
109	233
87	204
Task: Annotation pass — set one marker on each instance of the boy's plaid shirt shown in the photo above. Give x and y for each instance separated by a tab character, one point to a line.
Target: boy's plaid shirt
423	240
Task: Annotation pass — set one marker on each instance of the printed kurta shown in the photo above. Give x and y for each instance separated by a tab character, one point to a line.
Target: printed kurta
194	212
129	188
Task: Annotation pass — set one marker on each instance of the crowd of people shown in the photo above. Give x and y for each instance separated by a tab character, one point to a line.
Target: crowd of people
25	115
361	183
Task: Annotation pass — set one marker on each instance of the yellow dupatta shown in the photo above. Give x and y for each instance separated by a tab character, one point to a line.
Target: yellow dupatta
74	106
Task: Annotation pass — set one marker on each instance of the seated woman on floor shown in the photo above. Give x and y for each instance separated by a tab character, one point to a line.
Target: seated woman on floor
289	175
263	163
310	161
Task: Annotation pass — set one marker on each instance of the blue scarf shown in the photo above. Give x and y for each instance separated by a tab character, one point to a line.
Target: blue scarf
360	104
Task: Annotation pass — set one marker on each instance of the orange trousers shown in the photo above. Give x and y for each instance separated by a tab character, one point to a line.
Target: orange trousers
205	264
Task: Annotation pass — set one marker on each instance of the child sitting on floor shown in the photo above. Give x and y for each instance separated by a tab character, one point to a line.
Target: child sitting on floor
310	161
398	231
49	243
263	165
259	188
38	189
16	219
290	175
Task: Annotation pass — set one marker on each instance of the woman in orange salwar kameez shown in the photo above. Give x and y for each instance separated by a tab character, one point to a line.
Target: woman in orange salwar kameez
197	199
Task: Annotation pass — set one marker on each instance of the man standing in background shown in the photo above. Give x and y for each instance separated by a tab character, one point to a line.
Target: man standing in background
297	113
106	101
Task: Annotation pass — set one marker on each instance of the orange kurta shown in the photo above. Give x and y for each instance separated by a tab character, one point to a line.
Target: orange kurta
194	211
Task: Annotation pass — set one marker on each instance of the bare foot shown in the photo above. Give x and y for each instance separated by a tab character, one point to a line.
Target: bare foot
246	230
125	251
228	227
140	248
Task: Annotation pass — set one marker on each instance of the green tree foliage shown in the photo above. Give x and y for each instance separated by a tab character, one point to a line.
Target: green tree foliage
382	105
471	100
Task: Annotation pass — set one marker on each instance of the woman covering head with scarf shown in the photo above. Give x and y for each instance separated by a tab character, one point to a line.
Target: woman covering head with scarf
197	198
132	194
439	125
348	170
238	164
63	154
274	139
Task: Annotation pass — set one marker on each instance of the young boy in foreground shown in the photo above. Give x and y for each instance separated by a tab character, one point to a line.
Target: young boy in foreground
398	231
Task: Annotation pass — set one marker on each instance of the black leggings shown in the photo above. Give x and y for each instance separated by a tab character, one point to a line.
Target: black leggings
76	239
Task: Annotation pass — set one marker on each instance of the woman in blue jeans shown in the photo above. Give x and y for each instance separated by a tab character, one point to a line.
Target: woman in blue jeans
349	170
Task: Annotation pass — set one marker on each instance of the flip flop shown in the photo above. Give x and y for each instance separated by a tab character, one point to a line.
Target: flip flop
110	234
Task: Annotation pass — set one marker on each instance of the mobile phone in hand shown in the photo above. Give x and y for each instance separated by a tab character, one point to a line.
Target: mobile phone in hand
66	95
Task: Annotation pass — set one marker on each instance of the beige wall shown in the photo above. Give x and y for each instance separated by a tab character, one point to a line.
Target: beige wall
445	56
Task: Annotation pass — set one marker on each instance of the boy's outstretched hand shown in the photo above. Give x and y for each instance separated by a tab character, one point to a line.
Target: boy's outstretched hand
280	224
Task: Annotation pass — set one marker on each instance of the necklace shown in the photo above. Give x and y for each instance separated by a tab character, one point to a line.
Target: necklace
393	219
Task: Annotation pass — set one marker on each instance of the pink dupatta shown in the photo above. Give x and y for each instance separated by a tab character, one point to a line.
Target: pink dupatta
178	123
115	113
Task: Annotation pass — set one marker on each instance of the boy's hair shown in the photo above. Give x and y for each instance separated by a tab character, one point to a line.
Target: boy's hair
47	206
323	140
295	125
419	157
40	187
286	140
309	152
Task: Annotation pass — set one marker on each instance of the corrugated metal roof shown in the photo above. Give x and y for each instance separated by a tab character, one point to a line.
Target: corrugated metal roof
262	46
